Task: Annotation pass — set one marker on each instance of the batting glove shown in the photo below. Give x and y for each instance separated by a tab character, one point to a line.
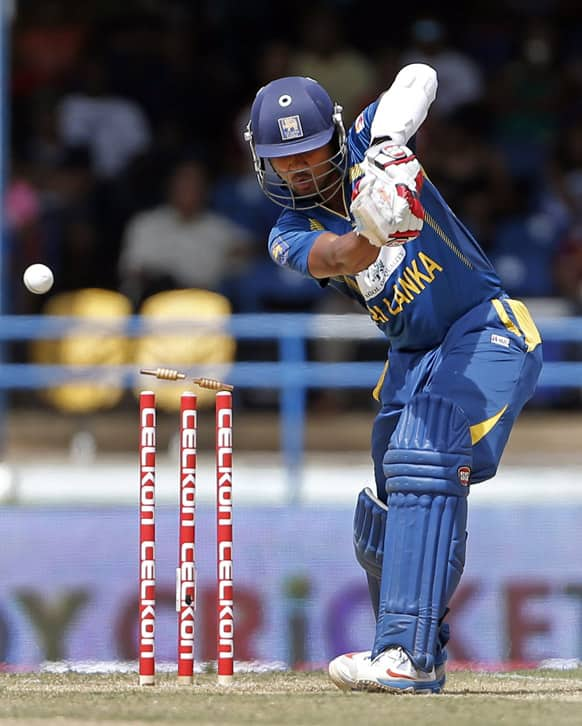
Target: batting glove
393	163
385	202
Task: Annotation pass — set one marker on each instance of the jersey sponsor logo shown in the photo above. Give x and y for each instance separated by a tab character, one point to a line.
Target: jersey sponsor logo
413	280
500	340
359	123
290	128
280	251
372	280
464	474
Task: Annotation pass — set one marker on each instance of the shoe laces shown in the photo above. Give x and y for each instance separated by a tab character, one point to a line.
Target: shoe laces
397	653
401	657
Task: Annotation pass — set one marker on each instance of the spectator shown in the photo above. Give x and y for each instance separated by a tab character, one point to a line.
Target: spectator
470	173
53	217
460	78
47	45
181	243
22	208
114	128
325	55
72	224
525	96
44	148
562	177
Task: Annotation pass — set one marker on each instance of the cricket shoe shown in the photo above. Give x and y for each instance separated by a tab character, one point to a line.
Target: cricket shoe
392	671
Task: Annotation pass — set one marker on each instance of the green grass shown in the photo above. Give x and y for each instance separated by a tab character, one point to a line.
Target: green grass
471	699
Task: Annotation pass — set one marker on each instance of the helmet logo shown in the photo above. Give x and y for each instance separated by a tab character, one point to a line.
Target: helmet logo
285	100
290	128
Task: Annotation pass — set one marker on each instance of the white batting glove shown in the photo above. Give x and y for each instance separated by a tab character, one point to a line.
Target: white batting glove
385	202
394	163
386	214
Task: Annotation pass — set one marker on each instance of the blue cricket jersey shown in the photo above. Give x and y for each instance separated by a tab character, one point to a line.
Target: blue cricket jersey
413	292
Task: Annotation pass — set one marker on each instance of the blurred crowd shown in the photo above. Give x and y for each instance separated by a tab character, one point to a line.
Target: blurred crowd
128	168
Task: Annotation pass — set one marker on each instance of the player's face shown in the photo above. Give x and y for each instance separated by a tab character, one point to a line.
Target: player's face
307	173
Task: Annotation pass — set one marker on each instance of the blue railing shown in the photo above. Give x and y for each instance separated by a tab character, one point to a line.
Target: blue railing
292	374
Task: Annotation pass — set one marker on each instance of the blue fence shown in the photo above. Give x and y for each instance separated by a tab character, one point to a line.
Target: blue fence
292	374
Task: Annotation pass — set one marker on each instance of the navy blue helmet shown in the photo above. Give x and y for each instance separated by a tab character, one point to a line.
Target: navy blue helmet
295	115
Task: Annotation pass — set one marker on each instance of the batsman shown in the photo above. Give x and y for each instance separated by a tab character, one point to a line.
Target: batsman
360	214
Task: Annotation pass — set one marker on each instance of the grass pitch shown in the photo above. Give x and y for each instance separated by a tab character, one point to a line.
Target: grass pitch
471	699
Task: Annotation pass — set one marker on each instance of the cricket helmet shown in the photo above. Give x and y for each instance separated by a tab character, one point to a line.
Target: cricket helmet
294	115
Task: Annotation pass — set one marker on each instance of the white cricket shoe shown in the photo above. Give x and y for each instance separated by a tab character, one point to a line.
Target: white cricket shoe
392	671
348	670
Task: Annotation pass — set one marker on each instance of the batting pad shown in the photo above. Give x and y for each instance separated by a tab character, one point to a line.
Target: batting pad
427	469
369	532
369	529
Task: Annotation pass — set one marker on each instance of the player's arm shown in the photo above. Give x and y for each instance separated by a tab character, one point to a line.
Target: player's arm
405	105
345	254
386	201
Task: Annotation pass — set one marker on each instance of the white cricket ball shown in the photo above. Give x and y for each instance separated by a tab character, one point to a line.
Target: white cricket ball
38	278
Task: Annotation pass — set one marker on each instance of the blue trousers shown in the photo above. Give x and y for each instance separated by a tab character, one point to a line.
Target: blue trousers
488	364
